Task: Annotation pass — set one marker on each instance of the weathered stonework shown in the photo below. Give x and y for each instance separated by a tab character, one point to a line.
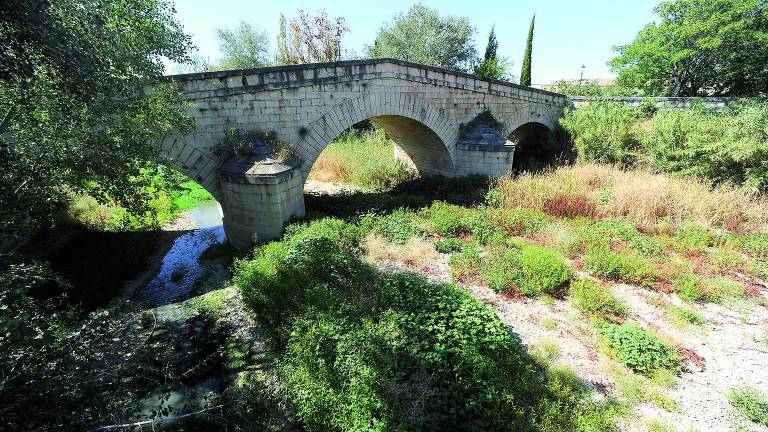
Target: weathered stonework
422	108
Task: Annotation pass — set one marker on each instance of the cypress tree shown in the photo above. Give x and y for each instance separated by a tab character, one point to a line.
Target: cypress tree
525	73
493	45
283	55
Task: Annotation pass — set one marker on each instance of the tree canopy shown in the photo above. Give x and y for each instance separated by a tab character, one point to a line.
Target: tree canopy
76	108
424	36
699	47
242	47
493	66
525	72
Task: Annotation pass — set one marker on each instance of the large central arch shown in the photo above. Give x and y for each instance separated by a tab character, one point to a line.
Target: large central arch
419	129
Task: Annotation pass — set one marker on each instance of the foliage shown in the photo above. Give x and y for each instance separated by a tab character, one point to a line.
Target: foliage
525	72
362	350
686	315
729	147
75	108
699	47
593	299
501	270
639	349
543	271
721	289
310	39
493	66
242	47
525	221
688	288
448	245
466	264
751	403
446	219
397	227
209	302
592	89
602	132
424	36
693	238
364	159
621	266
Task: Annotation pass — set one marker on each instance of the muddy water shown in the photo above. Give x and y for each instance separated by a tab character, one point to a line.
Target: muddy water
180	269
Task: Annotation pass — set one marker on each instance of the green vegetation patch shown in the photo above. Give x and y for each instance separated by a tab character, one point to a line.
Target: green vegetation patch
639	349
362	350
751	403
594	299
397	227
448	245
532	269
621	266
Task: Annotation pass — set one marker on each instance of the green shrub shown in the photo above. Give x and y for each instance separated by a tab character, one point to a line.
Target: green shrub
543	271
501	270
446	219
751	403
723	259
619	266
448	245
721	289
693	238
638	349
397	227
484	227
602	132
688	288
594	299
756	245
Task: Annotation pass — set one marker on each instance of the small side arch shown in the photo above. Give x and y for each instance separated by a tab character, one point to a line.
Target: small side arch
200	166
418	128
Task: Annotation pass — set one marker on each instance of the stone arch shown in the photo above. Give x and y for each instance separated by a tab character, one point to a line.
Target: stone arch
536	147
418	128
200	166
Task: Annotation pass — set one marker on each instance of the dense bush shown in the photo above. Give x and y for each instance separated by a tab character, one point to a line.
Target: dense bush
602	132
728	147
594	299
639	349
446	219
543	271
359	350
501	270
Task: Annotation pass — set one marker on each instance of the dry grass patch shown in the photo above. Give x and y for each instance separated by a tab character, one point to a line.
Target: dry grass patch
414	253
654	202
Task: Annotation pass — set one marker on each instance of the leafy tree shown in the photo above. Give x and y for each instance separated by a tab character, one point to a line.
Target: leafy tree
76	108
424	36
525	73
699	47
245	46
493	66
310	39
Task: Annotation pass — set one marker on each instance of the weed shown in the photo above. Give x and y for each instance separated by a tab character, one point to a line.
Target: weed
563	238
446	219
465	264
397	227
501	270
620	266
594	299
448	245
685	315
656	425
751	403
525	222
548	323
693	238
639	349
210	302
723	259
688	288
549	349
721	289
570	206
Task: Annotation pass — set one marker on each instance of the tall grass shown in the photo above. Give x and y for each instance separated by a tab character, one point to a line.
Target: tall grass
364	159
652	201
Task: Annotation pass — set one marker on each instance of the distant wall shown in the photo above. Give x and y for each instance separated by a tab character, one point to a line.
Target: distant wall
661	102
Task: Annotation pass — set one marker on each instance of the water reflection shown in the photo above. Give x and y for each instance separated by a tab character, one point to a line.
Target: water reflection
180	269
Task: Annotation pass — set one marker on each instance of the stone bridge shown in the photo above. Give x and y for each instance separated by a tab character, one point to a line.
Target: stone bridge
438	119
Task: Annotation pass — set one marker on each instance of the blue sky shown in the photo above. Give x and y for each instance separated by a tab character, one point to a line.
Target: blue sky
568	33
